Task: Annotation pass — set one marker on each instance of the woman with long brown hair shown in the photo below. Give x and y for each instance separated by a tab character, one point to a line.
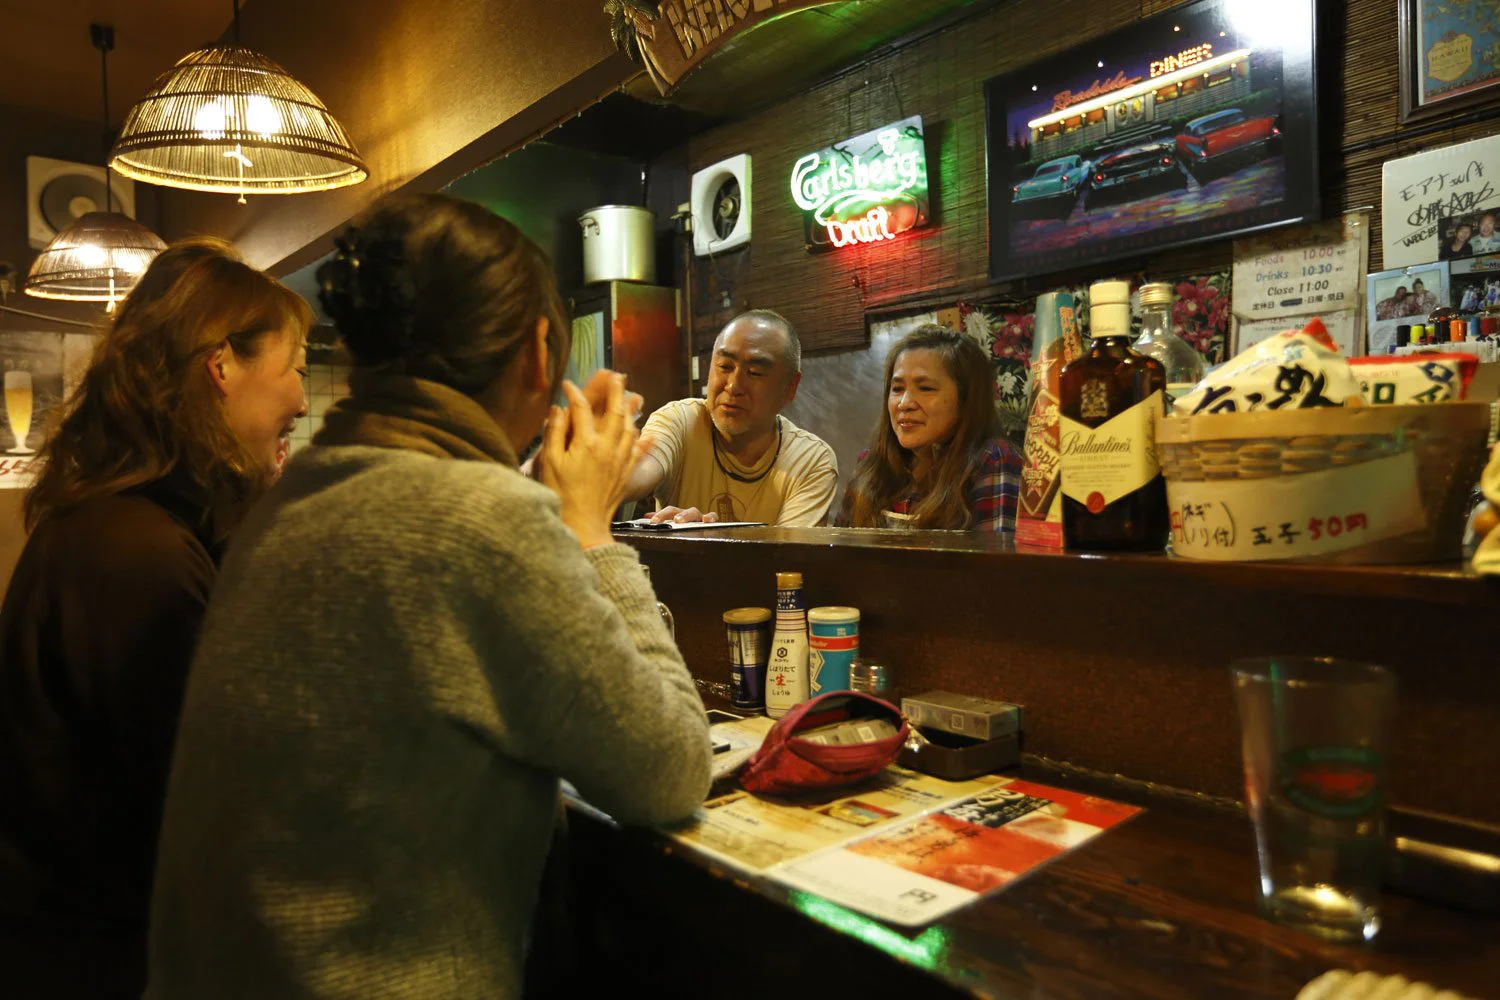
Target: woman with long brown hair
178	425
412	642
937	459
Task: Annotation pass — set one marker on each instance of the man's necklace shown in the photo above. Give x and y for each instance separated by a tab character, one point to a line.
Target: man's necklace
714	436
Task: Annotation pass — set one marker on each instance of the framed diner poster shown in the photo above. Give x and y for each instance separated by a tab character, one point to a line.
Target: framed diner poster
1196	124
1449	56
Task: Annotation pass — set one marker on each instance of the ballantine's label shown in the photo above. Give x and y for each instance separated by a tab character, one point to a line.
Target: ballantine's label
1102	464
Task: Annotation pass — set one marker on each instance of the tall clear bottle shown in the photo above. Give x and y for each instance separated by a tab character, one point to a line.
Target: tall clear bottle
1114	497
1184	365
786	672
662	609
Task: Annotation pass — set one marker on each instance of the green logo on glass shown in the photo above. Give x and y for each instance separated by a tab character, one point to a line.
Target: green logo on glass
867	189
1334	782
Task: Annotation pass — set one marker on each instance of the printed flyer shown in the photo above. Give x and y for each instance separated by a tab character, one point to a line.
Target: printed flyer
926	868
759	834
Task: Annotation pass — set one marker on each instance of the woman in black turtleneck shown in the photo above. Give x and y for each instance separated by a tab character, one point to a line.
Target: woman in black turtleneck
181	422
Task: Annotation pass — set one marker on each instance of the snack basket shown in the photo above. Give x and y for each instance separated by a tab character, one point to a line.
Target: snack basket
1302	473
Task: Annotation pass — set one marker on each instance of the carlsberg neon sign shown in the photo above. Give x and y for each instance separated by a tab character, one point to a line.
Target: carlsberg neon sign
868	189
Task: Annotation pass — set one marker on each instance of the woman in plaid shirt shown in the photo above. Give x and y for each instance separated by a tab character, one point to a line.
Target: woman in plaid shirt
938	461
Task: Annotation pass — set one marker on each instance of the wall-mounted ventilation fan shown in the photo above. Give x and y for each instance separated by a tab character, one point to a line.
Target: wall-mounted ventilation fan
721	206
58	193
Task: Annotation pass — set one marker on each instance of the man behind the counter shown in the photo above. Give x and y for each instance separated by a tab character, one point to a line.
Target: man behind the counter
732	456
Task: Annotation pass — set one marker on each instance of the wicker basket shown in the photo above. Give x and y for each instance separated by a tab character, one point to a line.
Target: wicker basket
1449	440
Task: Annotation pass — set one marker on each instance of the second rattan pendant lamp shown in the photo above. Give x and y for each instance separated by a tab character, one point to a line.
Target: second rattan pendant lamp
228	119
101	255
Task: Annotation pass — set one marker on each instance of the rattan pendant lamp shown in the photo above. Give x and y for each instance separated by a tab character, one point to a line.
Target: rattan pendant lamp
228	119
101	255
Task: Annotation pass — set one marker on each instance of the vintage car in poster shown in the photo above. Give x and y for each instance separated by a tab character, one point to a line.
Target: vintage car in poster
1056	183
1119	174
1212	139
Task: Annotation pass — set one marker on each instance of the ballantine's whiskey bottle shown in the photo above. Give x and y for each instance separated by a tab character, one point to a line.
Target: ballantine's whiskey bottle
1114	497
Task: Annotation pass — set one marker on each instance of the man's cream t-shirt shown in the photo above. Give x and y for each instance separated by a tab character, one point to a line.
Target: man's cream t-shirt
792	485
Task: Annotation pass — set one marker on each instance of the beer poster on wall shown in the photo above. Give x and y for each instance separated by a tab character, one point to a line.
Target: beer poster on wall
1196	124
39	370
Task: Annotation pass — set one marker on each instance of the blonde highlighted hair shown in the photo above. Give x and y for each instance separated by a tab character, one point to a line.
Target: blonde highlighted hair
147	407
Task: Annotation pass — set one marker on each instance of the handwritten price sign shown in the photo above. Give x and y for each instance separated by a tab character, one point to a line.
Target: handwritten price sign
1293	517
1419	192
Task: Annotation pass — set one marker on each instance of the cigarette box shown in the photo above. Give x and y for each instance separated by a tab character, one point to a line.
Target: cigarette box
965	715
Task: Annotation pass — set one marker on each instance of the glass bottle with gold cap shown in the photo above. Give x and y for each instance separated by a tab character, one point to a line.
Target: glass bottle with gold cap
1184	365
1114	497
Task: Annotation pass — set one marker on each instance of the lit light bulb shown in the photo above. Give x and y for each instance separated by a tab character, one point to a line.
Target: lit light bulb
90	255
131	264
1264	23
261	117
209	120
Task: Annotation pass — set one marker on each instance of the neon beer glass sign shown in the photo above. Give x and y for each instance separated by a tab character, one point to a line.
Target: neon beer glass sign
868	189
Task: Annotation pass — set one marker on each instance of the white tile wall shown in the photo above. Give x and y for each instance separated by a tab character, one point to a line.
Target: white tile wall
325	385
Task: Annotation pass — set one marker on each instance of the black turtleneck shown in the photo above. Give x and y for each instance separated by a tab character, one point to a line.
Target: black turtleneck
96	634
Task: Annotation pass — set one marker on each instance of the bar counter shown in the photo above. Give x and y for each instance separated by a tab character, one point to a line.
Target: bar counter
1121	661
1121	665
1162	906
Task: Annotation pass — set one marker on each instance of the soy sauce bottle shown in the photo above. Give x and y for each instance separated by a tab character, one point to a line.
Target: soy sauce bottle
1114	496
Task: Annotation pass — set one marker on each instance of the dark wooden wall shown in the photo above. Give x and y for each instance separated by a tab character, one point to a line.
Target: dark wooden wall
830	296
1122	661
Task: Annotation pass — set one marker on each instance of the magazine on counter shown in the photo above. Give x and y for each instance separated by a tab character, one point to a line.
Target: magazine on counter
903	847
923	869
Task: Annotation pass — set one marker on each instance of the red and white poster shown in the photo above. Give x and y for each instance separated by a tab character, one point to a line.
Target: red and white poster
921	870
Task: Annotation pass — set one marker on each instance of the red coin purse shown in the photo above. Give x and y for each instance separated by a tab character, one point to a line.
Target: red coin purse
788	763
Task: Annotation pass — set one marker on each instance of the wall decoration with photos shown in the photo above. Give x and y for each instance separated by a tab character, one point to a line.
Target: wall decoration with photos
1196	124
1402	296
1474	284
1449	56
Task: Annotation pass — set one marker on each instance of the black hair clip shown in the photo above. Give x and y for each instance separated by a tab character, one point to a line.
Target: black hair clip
365	288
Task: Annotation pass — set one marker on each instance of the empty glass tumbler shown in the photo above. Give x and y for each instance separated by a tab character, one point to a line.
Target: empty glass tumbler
1315	734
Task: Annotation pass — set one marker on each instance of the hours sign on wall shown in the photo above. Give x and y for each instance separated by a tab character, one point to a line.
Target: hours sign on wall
868	189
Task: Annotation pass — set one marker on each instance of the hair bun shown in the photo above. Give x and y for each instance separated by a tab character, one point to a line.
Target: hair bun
366	290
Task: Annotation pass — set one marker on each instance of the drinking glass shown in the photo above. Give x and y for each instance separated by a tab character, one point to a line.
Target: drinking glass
1315	734
891	519
18	406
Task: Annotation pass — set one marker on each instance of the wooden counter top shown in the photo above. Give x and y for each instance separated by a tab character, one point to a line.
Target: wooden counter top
1448	583
1160	907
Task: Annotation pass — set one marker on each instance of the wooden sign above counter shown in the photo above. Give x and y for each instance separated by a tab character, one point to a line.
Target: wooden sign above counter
686	32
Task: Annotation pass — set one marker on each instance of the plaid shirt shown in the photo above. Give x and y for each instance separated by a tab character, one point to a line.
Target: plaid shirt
993	493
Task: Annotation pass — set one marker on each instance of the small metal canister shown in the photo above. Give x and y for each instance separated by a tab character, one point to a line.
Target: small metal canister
748	631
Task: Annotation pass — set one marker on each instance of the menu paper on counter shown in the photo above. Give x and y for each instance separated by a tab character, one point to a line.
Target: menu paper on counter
926	868
744	737
1420	192
760	834
1290	517
1283	279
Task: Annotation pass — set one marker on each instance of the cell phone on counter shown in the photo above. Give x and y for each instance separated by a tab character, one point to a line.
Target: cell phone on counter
715	717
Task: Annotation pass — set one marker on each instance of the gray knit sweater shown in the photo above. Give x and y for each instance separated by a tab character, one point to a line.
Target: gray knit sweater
402	656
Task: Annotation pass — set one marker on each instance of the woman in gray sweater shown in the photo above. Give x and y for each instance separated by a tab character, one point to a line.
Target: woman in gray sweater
411	642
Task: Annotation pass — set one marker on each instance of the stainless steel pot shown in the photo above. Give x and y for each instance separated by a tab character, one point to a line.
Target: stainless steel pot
618	244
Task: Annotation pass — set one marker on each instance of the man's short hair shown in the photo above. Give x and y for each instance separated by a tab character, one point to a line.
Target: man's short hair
793	344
